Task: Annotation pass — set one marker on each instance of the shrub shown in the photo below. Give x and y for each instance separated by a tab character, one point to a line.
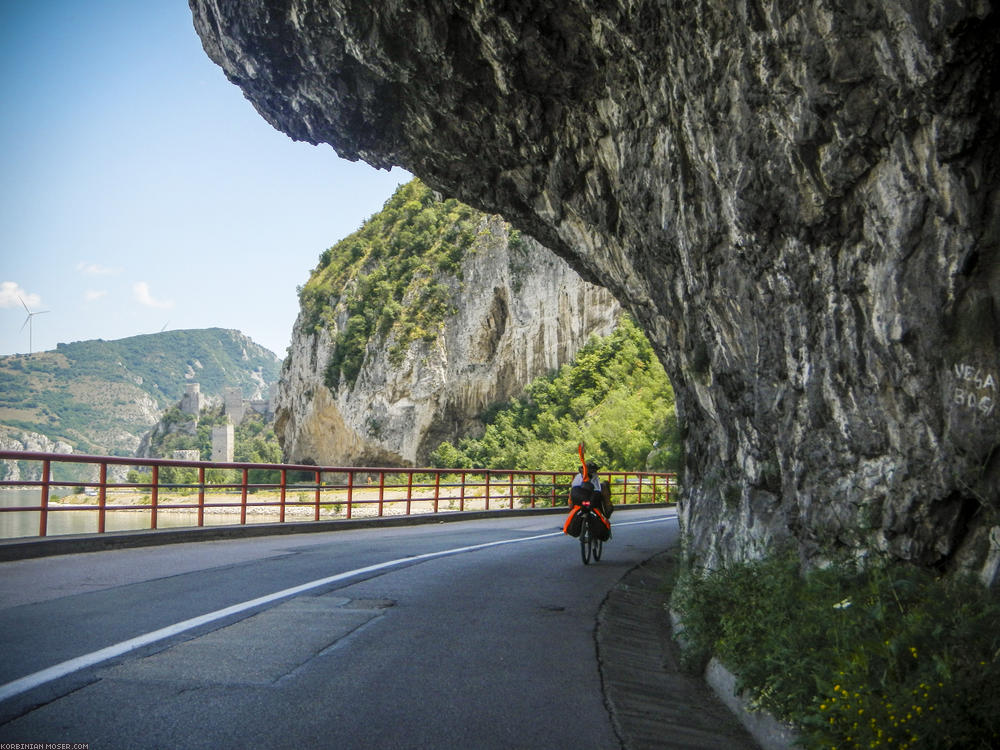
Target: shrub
885	657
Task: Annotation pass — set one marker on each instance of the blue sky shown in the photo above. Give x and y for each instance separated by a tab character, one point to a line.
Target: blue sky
139	190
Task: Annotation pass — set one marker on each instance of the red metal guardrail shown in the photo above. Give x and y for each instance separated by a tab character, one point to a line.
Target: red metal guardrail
83	494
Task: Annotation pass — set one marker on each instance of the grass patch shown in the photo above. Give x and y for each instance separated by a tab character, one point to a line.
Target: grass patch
891	656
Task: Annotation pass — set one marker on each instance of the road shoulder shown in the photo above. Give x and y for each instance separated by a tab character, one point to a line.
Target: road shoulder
653	703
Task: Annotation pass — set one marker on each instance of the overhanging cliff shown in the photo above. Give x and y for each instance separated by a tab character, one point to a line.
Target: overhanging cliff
798	202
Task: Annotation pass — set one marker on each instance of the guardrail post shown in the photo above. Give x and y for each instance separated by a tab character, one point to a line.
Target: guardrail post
487	489
461	498
284	484
319	479
350	492
154	495
43	513
201	496
243	497
102	496
437	489
381	492
409	492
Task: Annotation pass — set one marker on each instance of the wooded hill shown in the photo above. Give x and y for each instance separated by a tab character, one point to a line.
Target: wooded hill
101	396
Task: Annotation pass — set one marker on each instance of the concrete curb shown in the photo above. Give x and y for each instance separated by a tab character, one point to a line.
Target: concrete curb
71	544
770	733
766	730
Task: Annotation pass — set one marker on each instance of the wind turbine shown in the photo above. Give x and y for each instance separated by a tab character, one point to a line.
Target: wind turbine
27	321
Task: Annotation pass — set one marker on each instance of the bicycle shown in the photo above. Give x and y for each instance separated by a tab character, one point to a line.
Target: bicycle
590	545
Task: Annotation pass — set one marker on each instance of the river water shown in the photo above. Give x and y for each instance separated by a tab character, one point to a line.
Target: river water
25	523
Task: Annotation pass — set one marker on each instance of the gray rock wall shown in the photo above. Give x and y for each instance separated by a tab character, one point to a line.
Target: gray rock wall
23	440
521	312
797	200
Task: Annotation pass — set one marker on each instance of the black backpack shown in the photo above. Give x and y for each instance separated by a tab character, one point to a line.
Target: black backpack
582	492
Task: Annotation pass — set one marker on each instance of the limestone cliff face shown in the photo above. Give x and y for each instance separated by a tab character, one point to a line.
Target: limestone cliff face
24	440
798	201
519	313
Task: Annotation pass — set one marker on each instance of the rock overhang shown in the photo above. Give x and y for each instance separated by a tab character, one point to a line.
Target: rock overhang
799	205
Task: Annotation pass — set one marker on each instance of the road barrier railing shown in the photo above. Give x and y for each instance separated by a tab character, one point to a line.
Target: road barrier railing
105	493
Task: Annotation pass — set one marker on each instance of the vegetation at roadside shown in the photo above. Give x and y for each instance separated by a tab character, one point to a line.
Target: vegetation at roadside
889	657
391	276
614	397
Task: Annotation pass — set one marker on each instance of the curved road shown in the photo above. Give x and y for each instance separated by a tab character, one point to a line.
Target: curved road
475	634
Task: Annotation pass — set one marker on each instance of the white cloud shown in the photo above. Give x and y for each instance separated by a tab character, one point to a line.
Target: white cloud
140	290
92	295
11	290
95	269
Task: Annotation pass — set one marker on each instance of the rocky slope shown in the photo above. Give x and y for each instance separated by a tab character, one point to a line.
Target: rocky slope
517	312
798	201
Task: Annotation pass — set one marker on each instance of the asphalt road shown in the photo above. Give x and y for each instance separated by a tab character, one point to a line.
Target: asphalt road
412	637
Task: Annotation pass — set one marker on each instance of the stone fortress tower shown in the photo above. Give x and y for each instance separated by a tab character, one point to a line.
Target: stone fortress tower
192	402
237	407
234	404
223	443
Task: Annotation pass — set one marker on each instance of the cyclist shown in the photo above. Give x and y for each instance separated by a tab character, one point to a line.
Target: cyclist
594	483
587	486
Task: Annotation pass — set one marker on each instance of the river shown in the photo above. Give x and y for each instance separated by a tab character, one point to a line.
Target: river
25	523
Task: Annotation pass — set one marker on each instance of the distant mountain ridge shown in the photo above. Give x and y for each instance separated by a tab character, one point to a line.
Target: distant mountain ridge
102	396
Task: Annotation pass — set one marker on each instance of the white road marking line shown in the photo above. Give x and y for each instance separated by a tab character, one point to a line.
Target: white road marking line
31	681
648	520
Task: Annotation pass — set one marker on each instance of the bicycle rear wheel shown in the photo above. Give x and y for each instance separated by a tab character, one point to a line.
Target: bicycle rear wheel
586	541
598	549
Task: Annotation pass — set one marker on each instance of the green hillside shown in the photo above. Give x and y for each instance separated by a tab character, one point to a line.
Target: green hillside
388	276
614	397
101	396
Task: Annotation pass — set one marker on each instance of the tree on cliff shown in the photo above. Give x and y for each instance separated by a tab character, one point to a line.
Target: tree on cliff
614	397
384	277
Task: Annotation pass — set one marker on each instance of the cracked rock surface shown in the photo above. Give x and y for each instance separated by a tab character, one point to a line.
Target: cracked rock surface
798	202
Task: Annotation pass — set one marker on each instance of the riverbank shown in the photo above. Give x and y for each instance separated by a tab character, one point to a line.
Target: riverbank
127	509
332	503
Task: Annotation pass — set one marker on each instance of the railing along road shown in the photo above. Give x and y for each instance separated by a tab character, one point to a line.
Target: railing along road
157	493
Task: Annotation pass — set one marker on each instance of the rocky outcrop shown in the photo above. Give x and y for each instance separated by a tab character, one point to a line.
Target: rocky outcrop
519	313
24	440
798	201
